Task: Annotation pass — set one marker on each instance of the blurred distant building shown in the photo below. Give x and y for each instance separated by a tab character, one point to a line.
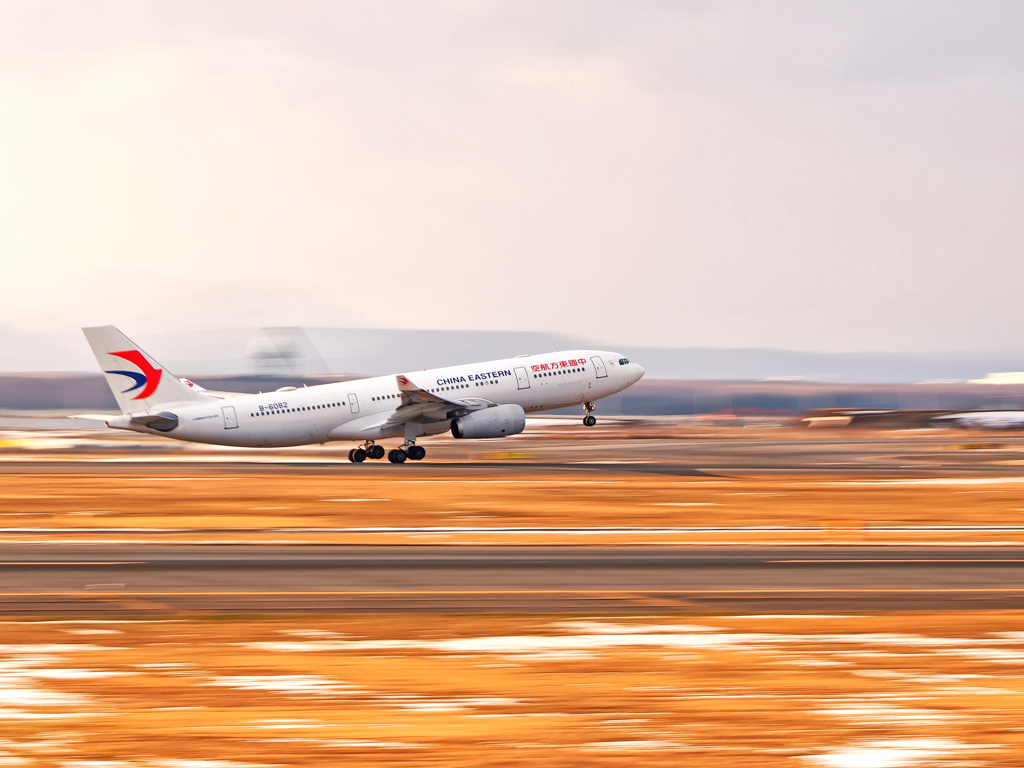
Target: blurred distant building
1009	377
284	351
771	400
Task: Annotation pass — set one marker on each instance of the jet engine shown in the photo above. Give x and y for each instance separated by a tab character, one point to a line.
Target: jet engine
500	421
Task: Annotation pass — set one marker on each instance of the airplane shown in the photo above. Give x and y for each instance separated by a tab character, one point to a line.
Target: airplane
982	420
475	401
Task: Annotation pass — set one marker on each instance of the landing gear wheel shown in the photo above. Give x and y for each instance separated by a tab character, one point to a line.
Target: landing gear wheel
416	452
397	456
375	451
357	455
589	421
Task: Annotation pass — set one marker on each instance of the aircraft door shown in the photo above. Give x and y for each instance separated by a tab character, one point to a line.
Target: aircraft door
353	402
522	378
599	369
230	418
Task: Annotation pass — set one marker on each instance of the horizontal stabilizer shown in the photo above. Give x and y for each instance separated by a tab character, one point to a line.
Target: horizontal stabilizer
93	416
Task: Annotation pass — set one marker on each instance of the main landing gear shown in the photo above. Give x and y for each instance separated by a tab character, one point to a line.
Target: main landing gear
409	451
367	451
589	420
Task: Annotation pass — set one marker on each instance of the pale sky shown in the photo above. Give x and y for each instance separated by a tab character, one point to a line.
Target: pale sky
833	176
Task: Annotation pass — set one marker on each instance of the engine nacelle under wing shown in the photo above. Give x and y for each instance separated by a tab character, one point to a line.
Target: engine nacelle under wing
500	421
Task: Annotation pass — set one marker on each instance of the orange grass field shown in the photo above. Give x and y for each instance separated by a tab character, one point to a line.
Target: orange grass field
880	690
242	507
898	689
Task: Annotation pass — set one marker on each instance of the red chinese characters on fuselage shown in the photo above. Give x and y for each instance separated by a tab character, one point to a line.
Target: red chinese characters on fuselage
555	366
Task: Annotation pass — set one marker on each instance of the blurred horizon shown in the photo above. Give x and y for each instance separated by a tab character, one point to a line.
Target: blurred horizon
297	351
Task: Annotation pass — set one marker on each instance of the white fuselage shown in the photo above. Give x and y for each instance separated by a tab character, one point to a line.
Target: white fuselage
983	420
361	409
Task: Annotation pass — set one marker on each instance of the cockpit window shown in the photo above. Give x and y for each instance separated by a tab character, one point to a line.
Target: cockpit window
623	361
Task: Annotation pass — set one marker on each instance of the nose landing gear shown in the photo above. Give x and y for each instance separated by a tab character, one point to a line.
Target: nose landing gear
589	420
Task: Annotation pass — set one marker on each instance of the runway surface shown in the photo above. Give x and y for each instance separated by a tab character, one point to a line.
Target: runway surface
606	450
162	580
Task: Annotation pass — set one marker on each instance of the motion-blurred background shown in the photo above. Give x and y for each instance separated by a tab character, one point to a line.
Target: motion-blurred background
702	177
55	373
791	214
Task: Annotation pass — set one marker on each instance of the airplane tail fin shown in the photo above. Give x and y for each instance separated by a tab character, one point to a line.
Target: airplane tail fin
139	382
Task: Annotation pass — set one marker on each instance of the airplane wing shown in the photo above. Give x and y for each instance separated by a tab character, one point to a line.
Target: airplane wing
420	405
215	393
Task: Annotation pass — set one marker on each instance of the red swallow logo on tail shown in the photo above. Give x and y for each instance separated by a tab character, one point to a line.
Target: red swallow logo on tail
147	380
